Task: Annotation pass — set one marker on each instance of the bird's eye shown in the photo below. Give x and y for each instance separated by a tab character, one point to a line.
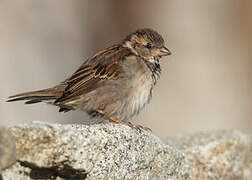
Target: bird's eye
148	45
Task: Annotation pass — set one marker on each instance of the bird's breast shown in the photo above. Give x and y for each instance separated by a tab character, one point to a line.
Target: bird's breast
141	83
141	95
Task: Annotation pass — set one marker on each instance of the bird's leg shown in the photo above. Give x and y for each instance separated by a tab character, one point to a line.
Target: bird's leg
117	121
142	127
138	127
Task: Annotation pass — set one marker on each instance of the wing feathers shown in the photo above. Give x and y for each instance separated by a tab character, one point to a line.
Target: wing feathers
105	65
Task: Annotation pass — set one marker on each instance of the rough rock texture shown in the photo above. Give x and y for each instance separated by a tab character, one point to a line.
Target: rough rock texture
7	148
103	151
109	151
220	155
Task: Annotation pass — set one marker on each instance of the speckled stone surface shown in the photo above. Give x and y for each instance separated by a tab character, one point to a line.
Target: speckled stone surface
110	151
7	148
103	151
217	155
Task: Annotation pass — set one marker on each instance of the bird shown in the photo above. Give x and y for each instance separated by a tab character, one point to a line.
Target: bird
114	84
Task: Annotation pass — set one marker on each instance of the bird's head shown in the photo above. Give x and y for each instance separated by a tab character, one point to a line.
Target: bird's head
147	44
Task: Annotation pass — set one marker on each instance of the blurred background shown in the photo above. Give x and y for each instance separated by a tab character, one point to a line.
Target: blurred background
206	83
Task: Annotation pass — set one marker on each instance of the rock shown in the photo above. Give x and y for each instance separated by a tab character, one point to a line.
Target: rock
102	151
110	151
7	148
225	155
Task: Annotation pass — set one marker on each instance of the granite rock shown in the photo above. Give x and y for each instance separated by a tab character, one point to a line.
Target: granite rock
7	148
220	155
102	151
111	151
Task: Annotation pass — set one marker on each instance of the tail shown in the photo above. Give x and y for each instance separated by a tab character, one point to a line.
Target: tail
45	95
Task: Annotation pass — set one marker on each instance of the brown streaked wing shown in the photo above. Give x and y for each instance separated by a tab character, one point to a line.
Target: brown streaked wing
91	75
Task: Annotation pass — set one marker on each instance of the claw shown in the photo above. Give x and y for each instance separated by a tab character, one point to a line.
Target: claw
139	127
117	121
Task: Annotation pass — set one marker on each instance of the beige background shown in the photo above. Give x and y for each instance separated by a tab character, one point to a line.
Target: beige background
205	84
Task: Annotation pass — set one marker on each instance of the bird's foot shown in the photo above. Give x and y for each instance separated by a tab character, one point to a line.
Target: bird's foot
140	127
137	127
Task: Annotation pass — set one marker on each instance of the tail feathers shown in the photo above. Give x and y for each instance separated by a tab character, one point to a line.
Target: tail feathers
47	95
33	99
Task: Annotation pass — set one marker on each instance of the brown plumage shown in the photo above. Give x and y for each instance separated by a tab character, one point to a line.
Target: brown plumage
115	83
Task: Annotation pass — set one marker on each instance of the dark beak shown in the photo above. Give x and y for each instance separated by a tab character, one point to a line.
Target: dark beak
164	51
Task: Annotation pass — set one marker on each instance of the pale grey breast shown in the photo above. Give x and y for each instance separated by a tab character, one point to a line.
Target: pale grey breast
139	85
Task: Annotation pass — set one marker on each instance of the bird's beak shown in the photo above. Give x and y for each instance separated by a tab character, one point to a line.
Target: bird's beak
163	51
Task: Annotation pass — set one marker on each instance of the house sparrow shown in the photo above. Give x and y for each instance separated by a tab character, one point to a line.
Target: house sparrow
115	83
